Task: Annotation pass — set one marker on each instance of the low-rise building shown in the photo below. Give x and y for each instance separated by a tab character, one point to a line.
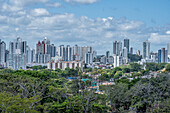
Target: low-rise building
63	64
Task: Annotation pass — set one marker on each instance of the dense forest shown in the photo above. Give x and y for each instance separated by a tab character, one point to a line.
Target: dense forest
50	91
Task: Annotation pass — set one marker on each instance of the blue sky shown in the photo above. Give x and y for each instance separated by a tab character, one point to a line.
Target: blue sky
152	12
94	23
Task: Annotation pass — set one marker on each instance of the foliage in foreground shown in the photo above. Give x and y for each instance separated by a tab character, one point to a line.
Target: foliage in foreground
49	91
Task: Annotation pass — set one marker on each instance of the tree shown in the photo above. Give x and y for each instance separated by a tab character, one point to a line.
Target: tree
116	69
134	57
148	91
135	67
104	77
117	97
152	66
118	74
126	70
11	104
145	72
168	67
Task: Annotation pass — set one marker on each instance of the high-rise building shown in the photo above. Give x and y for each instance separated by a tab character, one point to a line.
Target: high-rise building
18	43
138	52
53	50
17	61
83	52
117	48
47	46
2	53
17	57
76	51
61	52
44	51
125	52
166	56
168	48
125	55
103	60
154	57
159	56
11	48
131	50
118	61
107	56
89	58
40	48
33	56
94	55
23	47
162	56
146	50
68	53
126	44
28	55
110	60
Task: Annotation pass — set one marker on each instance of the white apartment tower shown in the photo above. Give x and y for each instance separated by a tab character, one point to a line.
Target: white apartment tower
146	50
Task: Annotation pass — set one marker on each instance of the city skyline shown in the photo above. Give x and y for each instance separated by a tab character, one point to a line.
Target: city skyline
19	55
96	23
123	43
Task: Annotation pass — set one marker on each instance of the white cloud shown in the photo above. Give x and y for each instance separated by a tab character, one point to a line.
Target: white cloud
157	39
83	1
130	25
68	29
3	19
9	8
168	32
39	12
57	4
26	2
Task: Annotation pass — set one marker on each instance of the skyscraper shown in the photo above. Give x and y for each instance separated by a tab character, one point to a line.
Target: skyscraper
118	60
33	57
28	55
138	52
117	48
166	56
107	56
17	57
131	50
83	52
53	50
168	48
40	48
11	48
146	50
76	51
125	55
2	52
61	52
88	58
126	44
68	53
125	52
44	51
159	56
23	47
162	56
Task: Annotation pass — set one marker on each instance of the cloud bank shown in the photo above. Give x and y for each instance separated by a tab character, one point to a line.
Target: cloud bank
34	24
